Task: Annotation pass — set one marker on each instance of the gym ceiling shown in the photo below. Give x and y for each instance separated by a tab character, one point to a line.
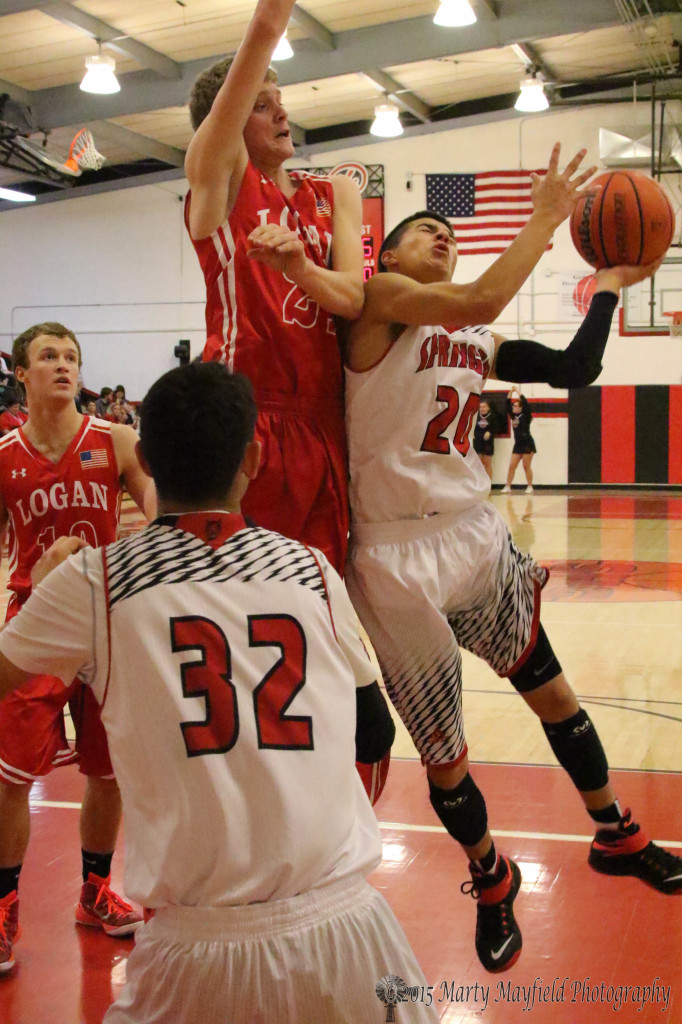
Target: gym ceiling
349	56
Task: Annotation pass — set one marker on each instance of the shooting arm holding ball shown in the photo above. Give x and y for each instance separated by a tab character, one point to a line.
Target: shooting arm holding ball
580	363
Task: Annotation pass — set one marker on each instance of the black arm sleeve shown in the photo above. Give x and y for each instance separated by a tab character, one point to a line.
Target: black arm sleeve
374	730
574	367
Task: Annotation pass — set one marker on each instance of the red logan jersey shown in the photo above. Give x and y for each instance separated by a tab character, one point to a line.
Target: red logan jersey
79	496
257	321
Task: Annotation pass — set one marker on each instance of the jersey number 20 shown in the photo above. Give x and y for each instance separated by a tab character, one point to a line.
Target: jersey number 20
210	677
434	441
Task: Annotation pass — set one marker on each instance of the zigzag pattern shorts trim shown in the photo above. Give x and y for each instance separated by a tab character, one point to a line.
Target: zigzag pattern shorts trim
426	588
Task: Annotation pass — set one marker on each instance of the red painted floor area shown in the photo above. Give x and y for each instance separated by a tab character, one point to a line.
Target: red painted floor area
588	936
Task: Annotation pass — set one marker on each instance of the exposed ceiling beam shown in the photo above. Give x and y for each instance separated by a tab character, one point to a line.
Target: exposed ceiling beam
529	55
487	9
120	136
403	97
313	28
16	92
298	136
145	56
402	42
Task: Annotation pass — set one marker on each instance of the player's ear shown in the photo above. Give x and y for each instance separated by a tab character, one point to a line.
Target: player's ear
388	258
251	459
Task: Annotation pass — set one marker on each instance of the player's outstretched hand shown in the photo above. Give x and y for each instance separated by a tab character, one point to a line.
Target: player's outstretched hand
555	194
278	247
54	556
612	279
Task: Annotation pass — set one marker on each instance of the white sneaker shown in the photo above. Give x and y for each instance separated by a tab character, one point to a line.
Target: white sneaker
506	489
529	489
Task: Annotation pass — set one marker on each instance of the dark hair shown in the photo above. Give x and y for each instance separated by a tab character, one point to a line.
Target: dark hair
104	392
119	387
196	422
393	237
207	85
10	398
20	345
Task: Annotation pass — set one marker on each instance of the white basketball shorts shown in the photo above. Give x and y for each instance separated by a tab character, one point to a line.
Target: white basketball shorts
424	588
314	958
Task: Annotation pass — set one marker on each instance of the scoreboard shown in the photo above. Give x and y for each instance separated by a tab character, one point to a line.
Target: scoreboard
372	233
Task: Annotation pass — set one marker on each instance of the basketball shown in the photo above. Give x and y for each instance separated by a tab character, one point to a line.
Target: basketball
630	221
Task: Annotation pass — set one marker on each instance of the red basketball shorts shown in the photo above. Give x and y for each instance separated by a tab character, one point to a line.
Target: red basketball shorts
32	734
301	489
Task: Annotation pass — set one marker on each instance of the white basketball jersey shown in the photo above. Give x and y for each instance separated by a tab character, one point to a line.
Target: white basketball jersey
409	420
226	660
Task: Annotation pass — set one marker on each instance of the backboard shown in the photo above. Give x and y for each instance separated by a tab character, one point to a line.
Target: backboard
645	304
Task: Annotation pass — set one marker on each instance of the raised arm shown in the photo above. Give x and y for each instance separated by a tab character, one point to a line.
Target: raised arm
216	156
399	299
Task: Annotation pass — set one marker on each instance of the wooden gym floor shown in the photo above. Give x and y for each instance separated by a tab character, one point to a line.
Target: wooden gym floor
596	950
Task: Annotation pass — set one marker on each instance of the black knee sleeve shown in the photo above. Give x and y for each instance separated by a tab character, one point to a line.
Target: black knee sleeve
540	666
578	749
461	810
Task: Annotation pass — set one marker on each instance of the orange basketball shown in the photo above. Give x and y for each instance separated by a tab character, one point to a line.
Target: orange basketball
629	222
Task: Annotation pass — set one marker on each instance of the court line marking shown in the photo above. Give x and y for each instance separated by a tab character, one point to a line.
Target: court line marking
557	837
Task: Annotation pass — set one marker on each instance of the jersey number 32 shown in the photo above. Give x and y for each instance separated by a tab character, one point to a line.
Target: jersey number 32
210	677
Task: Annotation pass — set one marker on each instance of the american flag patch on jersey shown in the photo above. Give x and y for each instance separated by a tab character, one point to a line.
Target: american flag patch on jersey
324	207
94	459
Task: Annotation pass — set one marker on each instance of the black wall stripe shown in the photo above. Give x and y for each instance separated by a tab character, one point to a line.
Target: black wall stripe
584	436
652	410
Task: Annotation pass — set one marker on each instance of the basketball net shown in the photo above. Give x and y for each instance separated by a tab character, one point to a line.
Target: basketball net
675	323
83	155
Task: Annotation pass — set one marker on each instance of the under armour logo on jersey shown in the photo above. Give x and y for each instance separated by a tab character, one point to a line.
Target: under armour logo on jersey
18	472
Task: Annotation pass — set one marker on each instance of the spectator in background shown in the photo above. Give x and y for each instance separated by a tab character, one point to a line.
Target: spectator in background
104	401
12	416
91	407
524	446
484	436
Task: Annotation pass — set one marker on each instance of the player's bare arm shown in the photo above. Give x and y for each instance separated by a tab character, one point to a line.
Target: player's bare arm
139	485
57	553
339	290
580	363
216	156
398	298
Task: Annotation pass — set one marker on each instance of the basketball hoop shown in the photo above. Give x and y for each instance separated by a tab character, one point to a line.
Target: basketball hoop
675	323
83	155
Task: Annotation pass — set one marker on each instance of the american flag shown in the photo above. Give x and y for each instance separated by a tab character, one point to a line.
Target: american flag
94	459
324	207
486	210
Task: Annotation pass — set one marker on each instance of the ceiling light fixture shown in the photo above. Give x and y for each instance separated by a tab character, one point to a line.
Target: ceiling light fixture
454	14
100	75
13	196
283	50
386	122
531	98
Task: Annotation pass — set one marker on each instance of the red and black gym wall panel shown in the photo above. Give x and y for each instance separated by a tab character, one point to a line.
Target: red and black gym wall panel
625	434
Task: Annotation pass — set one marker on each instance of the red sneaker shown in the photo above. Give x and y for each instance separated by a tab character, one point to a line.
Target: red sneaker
9	929
101	907
498	936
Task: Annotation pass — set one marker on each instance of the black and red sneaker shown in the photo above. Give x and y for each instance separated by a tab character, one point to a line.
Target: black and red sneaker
498	937
627	850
